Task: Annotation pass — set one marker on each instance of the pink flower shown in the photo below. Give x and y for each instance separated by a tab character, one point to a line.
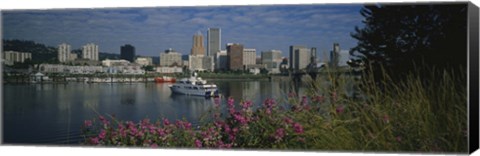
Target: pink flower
166	122
198	143
304	100
230	102
87	123
339	109
246	104
241	119
269	103
154	145
298	128
288	120
102	134
103	120
279	133
268	111
187	125
94	140
161	132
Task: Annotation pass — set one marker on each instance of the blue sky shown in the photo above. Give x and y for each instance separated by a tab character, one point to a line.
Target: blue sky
152	30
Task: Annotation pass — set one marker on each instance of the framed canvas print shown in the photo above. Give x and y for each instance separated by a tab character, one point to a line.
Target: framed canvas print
353	77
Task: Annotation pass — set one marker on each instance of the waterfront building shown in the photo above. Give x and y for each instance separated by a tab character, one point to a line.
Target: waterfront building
169	70
144	61
235	56
66	69
109	63
221	60
12	57
64	53
127	52
272	60
249	56
170	58
90	51
197	48
214	38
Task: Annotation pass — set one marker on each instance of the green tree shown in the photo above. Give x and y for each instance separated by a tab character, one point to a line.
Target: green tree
402	37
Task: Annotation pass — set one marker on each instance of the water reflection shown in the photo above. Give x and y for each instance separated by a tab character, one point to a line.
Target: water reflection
56	111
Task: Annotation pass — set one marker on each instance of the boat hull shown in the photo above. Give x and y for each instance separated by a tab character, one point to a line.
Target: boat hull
164	80
194	92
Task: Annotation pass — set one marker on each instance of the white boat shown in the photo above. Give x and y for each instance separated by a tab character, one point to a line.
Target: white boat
194	86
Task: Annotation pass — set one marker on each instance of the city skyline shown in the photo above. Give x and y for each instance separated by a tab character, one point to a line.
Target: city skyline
151	30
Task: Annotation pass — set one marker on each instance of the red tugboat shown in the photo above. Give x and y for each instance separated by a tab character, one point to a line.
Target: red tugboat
164	79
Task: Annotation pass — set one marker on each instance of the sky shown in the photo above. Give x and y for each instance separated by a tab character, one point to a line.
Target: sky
154	29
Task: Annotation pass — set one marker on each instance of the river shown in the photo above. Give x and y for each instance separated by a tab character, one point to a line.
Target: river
51	114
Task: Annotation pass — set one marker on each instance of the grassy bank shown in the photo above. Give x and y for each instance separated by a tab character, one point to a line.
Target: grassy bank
425	114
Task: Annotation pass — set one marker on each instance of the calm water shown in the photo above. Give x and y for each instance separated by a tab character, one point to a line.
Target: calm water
53	113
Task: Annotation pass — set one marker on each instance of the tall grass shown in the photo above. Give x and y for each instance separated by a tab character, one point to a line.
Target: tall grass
419	114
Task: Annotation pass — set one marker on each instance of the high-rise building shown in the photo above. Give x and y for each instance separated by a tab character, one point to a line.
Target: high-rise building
235	56
197	48
221	60
299	57
334	55
170	58
11	57
127	52
90	51
313	55
249	56
64	52
214	38
272	60
292	55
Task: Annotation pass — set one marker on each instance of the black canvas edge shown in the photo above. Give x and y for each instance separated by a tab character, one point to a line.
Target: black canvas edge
473	70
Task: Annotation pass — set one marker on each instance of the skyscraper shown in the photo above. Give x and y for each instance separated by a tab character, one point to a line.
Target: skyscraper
292	59
64	52
197	48
214	41
90	51
302	58
235	56
127	52
334	55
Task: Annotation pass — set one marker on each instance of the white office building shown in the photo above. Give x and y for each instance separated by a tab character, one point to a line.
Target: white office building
64	53
90	52
249	56
144	61
11	57
170	58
